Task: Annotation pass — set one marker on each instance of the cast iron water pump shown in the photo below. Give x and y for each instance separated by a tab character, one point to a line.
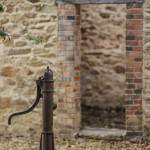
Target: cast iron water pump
45	87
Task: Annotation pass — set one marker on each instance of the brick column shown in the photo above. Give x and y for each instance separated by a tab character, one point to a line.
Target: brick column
134	81
69	68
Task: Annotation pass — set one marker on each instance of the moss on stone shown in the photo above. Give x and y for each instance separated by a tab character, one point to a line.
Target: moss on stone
1	8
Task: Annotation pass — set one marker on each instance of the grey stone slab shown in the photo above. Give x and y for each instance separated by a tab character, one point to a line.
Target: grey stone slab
102	133
99	1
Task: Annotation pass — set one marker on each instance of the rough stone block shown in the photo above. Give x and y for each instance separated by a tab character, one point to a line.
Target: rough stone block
9	71
21	51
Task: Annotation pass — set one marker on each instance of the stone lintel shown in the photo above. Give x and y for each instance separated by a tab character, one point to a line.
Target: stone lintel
99	1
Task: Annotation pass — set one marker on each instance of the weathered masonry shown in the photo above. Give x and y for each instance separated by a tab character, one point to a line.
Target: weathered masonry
69	111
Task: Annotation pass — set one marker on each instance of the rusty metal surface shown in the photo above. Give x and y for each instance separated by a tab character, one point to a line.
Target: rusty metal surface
47	92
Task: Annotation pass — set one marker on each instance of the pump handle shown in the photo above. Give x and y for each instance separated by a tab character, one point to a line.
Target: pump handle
39	95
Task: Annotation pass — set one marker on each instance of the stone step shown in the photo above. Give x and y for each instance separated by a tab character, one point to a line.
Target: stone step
102	133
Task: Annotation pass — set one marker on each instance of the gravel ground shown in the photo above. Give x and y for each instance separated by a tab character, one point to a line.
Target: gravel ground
24	143
24	134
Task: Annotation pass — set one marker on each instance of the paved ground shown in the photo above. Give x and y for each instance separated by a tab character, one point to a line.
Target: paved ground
24	134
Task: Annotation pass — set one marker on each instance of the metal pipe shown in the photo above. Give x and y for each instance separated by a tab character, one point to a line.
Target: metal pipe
47	92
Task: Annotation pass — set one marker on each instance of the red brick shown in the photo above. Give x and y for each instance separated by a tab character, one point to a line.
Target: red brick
138	74
133	56
138	80
135	22
134	27
135	64
130	69
133	109
138	101
134	42
139	96
135	32
130	85
77	68
129	91
77	78
137	48
139	85
135	11
129	75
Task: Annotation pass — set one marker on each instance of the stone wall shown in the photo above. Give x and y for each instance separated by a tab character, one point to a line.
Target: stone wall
32	26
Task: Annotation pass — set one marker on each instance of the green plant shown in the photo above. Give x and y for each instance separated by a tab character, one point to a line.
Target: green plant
1	8
34	39
120	100
4	34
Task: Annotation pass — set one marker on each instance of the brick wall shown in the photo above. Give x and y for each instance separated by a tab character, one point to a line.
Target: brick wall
69	67
69	57
134	51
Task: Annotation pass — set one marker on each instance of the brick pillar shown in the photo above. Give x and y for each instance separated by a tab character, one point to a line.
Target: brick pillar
69	68
134	81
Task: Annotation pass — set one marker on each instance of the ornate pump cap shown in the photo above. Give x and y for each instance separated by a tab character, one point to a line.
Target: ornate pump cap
48	75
